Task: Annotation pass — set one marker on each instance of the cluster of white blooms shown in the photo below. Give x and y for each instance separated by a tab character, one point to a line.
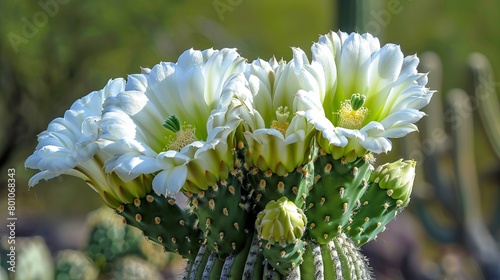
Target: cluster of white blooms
175	127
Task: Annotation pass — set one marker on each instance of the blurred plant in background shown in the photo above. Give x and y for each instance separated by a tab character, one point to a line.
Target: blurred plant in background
81	43
113	250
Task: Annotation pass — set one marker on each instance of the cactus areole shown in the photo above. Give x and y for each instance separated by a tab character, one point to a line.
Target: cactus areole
250	170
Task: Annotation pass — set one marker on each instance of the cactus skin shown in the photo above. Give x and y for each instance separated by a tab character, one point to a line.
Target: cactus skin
157	216
294	185
283	259
349	263
373	215
269	186
222	212
335	195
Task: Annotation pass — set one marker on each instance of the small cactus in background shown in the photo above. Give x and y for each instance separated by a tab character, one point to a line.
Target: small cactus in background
133	267
32	259
71	264
109	239
114	249
274	159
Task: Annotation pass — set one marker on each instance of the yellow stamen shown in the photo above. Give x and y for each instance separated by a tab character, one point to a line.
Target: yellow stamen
184	135
350	118
182	138
281	124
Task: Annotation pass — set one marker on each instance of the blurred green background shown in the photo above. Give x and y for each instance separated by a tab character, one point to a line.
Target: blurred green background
53	52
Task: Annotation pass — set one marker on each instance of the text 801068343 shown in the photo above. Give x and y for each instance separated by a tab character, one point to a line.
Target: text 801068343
11	219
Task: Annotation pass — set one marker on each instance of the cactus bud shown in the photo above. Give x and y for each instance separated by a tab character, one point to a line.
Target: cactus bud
397	178
281	221
281	225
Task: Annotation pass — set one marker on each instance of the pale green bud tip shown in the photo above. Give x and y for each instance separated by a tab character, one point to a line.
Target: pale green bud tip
172	123
396	177
280	221
357	101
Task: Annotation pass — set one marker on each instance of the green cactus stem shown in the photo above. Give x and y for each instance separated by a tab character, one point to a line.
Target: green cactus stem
223	213
337	259
207	265
294	185
164	222
338	187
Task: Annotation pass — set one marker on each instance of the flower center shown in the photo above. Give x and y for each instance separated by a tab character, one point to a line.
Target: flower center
281	124
184	135
352	113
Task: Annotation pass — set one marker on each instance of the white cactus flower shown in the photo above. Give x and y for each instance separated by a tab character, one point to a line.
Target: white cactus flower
163	123
364	94
277	139
68	146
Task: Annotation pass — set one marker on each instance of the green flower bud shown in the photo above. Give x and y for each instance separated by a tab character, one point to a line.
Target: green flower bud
397	178
281	221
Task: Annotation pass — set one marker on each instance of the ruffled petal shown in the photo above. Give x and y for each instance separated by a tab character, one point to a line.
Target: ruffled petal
70	141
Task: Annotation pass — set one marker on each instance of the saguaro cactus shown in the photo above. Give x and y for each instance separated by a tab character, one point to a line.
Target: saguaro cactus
275	158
